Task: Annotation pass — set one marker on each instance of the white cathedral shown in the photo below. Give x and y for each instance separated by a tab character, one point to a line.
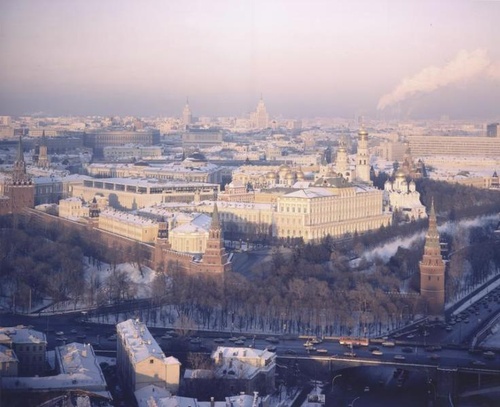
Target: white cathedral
403	196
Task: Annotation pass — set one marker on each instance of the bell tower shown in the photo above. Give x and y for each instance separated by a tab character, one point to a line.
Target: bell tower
363	157
432	270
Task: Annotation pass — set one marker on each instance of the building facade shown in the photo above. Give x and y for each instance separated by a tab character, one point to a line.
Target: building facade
130	193
140	360
455	146
98	140
29	346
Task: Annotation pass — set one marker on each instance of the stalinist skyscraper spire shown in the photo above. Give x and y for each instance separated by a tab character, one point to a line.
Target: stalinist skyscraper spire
432	270
260	116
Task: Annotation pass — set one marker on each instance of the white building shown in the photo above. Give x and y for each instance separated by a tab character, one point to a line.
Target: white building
141	361
245	370
403	196
129	151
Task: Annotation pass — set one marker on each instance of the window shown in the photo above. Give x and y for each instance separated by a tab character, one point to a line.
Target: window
151	361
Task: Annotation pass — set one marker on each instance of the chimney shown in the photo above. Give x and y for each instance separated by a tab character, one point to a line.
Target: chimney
212	402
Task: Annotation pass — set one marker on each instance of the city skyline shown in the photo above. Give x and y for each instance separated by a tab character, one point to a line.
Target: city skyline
381	59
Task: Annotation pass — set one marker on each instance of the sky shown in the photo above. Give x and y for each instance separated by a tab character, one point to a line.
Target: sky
307	58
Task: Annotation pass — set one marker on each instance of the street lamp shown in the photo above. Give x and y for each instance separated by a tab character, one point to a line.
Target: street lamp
333	380
352	403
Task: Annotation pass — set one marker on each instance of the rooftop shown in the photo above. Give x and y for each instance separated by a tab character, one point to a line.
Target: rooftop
139	342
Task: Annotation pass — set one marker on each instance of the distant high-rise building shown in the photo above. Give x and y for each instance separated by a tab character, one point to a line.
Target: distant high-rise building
261	117
187	117
492	130
432	271
5	121
363	157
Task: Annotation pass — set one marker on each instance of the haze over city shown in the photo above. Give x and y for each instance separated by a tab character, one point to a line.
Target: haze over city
382	59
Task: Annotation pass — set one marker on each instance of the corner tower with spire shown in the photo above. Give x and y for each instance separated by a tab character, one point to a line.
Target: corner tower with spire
215	258
432	271
20	188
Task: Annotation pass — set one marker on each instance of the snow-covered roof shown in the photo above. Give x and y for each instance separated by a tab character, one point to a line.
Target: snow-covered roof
75	358
242	353
150	182
24	335
79	370
139	342
126	217
310	193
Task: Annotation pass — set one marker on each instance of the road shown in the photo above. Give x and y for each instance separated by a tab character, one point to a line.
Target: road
68	328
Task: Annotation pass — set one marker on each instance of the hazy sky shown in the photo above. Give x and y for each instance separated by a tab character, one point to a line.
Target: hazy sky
307	57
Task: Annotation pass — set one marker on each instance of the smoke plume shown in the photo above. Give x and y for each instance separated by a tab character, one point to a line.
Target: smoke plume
465	65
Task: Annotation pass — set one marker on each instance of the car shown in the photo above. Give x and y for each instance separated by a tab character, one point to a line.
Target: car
219	340
166	337
350	354
434	357
399	357
377	353
81	337
322	350
316	341
271	348
74	331
372	348
388	344
196	341
407	349
367	389
477	363
59	333
411	336
290	352
272	339
239	342
489	354
112	338
449	328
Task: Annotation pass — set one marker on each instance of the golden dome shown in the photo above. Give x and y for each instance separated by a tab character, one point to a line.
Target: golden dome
400	173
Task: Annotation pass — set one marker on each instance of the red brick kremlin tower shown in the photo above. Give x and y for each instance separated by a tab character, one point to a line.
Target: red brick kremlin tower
215	258
20	188
432	271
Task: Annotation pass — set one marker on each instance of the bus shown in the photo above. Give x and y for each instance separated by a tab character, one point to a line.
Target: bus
348	341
